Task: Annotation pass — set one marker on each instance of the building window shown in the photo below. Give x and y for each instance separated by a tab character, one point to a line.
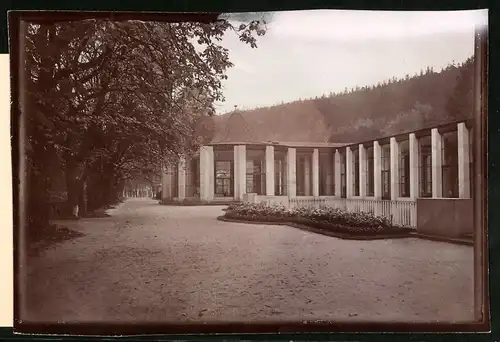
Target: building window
425	166
279	177
326	174
370	175
224	178
404	169
355	172
386	171
280	187
256	176
343	189
192	178
304	174
449	158
299	175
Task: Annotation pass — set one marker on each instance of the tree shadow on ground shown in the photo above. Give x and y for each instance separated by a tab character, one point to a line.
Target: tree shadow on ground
97	214
48	237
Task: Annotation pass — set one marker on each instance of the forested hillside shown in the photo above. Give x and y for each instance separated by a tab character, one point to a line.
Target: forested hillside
391	107
424	100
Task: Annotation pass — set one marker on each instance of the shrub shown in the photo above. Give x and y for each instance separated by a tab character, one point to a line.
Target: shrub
324	218
233	206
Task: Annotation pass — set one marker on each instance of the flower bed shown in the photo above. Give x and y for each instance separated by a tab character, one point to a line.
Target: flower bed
327	219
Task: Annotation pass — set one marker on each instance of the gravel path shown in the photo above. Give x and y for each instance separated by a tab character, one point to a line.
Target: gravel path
153	263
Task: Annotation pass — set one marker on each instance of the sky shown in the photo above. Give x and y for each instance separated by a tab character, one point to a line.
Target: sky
309	53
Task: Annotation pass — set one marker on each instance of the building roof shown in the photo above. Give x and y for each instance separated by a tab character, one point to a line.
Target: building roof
291	123
234	128
305	144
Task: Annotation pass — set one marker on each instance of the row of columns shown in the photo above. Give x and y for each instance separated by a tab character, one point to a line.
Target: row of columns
138	193
207	176
436	160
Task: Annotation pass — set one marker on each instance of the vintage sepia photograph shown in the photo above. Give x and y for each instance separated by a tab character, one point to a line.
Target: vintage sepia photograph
272	171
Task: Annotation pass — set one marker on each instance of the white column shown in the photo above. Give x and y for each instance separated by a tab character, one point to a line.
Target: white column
414	180
377	170
437	175
336	170
211	174
463	161
206	173
236	165
349	179
182	179
270	170
240	161
362	170
394	156
243	170
291	172
315	172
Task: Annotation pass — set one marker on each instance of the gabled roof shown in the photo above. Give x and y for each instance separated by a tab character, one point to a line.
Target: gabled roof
291	122
234	128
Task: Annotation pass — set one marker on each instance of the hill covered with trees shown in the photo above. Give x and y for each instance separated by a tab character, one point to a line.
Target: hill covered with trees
392	107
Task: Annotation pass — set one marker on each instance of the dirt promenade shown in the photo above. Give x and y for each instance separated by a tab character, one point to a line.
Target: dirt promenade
156	263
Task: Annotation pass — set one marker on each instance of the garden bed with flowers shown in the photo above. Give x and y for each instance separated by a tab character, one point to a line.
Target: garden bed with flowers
329	221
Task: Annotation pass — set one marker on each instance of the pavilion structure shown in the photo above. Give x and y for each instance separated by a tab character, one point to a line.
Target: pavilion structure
419	179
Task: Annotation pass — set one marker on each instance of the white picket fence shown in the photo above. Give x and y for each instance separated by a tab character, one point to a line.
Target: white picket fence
401	212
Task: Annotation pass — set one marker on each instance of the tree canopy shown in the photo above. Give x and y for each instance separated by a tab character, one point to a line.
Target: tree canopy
112	99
